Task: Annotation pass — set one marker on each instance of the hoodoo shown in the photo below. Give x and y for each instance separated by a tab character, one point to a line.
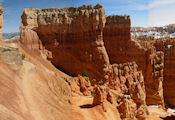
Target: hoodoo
121	48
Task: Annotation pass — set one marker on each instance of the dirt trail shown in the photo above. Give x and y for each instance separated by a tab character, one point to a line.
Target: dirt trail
30	75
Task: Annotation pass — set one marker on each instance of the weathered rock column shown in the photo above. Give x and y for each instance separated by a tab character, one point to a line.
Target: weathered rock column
121	49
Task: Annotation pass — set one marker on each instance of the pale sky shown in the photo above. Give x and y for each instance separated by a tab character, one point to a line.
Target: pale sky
162	12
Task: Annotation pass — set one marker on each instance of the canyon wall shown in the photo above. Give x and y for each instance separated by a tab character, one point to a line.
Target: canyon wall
117	38
73	35
84	39
162	61
125	91
121	49
166	46
169	74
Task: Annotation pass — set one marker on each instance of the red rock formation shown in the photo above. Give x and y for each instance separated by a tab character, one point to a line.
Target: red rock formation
127	109
84	47
30	40
117	37
75	50
121	49
100	94
80	86
127	91
166	46
169	76
33	89
157	62
98	42
162	70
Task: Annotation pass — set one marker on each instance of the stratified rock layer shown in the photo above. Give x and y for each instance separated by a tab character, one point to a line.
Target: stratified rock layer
117	38
166	46
73	35
162	61
121	49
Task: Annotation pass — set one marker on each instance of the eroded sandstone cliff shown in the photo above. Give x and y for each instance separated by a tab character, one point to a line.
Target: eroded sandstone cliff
76	41
166	46
162	68
74	50
73	35
121	49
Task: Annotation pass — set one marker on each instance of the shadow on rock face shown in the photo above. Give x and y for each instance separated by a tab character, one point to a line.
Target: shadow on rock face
169	118
87	106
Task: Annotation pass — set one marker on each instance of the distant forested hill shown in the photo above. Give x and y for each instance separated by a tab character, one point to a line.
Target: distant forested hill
9	35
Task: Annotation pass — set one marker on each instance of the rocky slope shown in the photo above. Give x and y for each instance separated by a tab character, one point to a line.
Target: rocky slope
31	88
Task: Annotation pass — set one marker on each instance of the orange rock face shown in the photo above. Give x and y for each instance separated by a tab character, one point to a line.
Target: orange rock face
100	95
125	90
166	46
118	43
80	86
162	78
127	109
117	37
30	40
73	50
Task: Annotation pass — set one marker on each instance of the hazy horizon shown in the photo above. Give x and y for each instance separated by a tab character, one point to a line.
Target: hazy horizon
143	13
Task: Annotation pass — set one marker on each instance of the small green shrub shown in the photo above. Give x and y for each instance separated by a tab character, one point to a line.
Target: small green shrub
23	56
86	74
